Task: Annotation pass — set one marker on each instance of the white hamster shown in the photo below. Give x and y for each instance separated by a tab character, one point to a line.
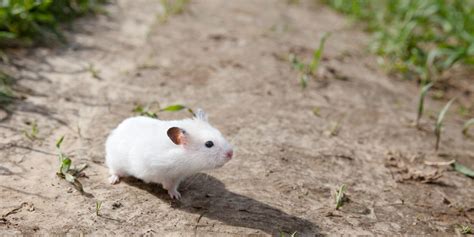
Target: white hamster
165	152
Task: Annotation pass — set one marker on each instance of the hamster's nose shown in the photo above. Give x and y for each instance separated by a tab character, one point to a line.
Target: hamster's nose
229	154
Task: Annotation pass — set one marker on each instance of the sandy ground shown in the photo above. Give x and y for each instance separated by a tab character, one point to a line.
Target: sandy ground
226	57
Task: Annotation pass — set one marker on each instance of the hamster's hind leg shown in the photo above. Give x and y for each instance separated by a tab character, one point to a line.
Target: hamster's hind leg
114	177
172	187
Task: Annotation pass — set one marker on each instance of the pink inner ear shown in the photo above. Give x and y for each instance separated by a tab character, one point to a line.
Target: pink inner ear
181	139
177	135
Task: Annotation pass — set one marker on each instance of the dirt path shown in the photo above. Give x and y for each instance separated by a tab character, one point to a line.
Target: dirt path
225	56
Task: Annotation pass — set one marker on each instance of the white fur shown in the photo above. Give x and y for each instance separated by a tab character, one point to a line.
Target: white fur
140	147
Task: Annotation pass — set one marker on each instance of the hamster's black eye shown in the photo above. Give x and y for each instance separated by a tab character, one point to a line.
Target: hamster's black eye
209	144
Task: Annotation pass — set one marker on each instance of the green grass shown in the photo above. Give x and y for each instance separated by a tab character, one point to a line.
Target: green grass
421	102
172	7
94	71
439	122
25	22
6	93
308	70
67	171
465	229
144	111
32	132
98	206
283	234
422	38
463	169
148	110
340	196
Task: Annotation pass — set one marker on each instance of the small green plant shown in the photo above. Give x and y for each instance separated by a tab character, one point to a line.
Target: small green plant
421	101
307	71
340	196
32	134
145	111
465	229
65	168
439	122
24	22
172	7
95	73
317	54
420	39
466	126
98	206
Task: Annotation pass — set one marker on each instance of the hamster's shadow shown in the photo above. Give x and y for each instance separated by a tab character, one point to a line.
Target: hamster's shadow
207	196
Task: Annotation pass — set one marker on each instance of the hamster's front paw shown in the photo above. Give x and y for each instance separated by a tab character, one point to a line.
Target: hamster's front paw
174	194
114	179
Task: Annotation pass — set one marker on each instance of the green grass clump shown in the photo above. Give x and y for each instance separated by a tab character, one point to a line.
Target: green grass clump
465	229
98	206
23	22
422	38
308	70
67	171
340	196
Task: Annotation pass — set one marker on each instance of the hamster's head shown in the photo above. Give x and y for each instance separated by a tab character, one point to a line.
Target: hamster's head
204	145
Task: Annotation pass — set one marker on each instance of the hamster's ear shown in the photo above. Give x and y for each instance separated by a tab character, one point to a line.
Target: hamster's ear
177	135
201	115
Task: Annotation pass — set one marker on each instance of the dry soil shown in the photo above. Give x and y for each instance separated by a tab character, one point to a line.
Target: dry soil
294	147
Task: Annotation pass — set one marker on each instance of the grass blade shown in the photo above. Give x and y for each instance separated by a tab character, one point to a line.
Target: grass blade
308	70
463	169
421	101
443	111
98	205
439	122
466	126
144	111
173	108
317	55
191	112
58	143
340	196
465	229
